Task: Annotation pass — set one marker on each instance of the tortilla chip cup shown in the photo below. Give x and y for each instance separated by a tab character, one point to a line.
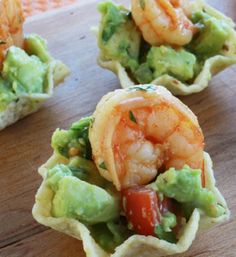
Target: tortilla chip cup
136	245
211	67
26	103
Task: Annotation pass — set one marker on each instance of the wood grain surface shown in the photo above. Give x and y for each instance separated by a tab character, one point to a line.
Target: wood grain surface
26	145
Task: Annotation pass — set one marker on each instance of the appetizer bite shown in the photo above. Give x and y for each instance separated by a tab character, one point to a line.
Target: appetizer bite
179	44
27	71
133	179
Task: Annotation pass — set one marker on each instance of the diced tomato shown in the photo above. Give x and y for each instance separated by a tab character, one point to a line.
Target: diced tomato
143	208
140	205
166	205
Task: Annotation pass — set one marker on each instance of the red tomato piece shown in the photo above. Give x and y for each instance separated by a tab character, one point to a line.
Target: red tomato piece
166	205
141	208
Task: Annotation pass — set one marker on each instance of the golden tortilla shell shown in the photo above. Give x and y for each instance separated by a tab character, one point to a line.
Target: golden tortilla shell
30	103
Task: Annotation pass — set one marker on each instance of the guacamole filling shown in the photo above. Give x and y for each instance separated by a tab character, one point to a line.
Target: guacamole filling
118	36
24	71
160	209
120	40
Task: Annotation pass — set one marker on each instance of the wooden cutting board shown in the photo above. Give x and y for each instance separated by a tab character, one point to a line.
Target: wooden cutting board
26	145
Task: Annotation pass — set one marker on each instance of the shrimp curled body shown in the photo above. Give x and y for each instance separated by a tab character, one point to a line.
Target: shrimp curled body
138	132
163	21
11	25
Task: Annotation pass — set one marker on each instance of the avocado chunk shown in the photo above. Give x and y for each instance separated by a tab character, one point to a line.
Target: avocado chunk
210	39
55	175
80	200
118	36
86	170
25	73
164	230
168	221
111	234
144	74
73	142
175	62
35	45
185	186
6	94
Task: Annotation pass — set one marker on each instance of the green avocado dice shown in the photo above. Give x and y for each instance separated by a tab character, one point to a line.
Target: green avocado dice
80	200
76	137
185	186
35	45
166	60
118	37
211	37
6	94
26	73
55	175
143	74
111	234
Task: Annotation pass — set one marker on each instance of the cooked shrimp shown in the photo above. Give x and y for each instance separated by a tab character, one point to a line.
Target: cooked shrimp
163	21
11	21
138	132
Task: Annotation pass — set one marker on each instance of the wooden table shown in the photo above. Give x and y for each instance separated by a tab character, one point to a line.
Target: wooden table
26	145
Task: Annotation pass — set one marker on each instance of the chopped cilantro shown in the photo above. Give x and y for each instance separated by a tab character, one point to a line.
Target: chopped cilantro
143	88
132	117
